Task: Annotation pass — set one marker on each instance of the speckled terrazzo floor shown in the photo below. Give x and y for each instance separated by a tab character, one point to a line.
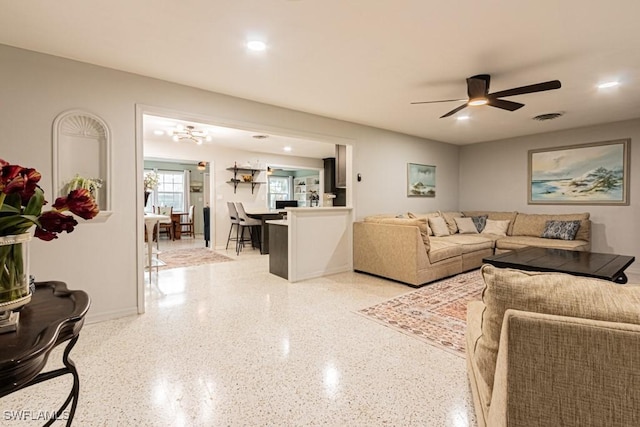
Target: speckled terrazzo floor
231	345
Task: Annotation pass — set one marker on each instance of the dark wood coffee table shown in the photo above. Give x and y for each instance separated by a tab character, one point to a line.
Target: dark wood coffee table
589	264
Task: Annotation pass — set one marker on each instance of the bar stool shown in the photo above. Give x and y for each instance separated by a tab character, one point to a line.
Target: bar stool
245	221
235	220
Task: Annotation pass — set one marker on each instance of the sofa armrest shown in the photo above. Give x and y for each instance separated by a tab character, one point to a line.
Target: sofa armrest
556	370
394	251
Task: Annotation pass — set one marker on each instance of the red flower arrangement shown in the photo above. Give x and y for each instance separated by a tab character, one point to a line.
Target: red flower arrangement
22	200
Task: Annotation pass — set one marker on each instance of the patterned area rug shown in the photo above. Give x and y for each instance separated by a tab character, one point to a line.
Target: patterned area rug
189	257
435	314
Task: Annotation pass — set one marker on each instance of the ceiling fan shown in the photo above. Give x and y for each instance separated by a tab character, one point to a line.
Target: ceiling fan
478	91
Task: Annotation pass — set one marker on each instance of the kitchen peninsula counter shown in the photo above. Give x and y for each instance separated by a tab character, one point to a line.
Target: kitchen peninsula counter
319	242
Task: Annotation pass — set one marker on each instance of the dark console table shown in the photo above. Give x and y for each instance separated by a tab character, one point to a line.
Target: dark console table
54	315
590	264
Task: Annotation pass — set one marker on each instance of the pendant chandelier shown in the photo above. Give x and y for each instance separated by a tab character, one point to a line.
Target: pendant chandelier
190	133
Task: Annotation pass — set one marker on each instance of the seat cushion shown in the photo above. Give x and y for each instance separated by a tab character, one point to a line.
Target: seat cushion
470	242
442	248
518	242
550	293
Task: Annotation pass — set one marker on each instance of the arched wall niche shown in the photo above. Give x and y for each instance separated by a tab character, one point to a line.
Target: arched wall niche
82	146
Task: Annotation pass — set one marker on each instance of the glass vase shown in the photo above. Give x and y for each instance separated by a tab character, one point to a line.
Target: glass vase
14	276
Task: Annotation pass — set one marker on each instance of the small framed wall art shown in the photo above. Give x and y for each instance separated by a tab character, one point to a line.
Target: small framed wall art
587	174
421	180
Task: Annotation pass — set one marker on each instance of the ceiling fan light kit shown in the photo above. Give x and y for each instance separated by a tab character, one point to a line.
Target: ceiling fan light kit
478	92
478	101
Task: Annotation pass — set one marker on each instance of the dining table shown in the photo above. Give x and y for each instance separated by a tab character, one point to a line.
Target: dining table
150	222
263	216
176	219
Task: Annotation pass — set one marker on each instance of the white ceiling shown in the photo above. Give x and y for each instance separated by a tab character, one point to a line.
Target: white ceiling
363	61
237	139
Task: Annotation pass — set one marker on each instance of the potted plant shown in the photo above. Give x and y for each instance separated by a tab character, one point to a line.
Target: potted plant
150	183
21	208
91	184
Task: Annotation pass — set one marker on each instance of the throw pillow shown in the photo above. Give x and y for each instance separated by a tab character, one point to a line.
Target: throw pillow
439	226
451	223
499	228
480	222
466	226
549	293
425	216
496	227
564	230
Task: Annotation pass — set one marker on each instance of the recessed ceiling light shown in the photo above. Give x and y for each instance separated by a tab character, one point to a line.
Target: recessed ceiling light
606	85
261	136
158	132
463	118
256	45
287	148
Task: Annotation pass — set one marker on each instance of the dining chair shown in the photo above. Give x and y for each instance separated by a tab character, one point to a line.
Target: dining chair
188	227
251	223
166	226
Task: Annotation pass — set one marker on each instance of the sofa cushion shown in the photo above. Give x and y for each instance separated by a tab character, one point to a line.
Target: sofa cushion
439	226
518	242
533	224
495	216
496	227
443	248
421	223
470	242
466	226
425	216
564	230
451	222
550	293
480	222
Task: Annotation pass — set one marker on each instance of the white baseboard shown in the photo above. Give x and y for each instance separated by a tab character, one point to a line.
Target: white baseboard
110	315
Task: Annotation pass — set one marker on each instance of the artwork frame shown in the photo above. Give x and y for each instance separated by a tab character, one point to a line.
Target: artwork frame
595	173
421	180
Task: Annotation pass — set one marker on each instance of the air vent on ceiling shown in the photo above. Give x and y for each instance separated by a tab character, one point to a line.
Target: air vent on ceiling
261	136
548	116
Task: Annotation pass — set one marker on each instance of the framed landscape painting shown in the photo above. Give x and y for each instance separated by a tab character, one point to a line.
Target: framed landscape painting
587	174
421	180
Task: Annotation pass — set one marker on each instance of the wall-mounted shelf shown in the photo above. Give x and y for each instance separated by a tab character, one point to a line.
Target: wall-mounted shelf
250	171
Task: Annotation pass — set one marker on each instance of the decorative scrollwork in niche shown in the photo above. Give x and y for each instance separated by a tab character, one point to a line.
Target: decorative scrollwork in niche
82	148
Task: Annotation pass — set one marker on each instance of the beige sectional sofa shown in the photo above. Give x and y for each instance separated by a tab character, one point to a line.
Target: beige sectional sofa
407	250
564	353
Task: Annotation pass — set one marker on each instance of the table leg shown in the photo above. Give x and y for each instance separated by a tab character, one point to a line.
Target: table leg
150	227
70	368
621	279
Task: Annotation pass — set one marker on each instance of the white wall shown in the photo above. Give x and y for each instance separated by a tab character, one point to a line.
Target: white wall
220	159
101	258
493	176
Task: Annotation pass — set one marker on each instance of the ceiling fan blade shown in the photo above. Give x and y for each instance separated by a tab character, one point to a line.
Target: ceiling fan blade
478	86
434	102
455	110
504	104
538	87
